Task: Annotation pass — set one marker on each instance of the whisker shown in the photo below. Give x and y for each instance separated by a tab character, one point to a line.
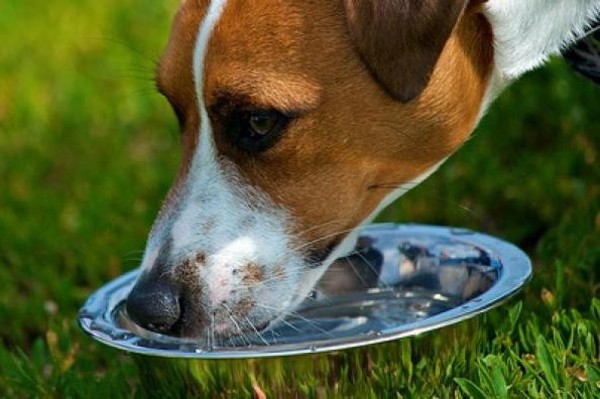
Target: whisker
312	323
340	220
240	330
431	196
287	323
136	260
133	256
308	244
126	70
135	252
393	185
478	216
235	323
279	319
465	208
362	280
140	92
125	45
257	332
372	268
211	331
296	314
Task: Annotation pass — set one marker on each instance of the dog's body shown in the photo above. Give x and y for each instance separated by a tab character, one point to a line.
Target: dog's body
301	120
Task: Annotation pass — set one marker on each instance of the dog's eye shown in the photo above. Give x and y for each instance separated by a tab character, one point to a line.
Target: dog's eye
257	131
263	123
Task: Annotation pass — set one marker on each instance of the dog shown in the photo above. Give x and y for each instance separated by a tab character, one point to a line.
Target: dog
300	121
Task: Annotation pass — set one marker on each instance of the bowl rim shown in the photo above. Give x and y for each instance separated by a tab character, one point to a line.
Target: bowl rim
516	271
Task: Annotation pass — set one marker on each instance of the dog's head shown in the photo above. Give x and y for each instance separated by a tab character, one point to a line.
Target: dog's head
299	121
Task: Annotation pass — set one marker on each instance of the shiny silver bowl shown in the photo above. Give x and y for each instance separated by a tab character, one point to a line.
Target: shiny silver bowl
401	281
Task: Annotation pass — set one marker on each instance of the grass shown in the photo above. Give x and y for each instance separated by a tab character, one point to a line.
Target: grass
88	150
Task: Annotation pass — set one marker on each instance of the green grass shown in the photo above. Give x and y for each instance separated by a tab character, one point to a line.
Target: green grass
88	150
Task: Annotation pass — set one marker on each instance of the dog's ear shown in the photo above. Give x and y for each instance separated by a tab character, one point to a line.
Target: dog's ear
400	41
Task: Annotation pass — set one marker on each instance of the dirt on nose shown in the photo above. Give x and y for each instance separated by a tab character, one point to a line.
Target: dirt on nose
194	316
253	274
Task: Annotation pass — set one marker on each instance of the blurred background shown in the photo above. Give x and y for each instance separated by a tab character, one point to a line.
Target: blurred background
88	149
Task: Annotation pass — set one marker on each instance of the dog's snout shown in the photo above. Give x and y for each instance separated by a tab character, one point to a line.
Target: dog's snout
154	304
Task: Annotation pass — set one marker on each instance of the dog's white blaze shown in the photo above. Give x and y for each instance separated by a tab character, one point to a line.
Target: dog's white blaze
244	227
215	214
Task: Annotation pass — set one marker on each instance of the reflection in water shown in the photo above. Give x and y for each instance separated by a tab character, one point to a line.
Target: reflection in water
452	268
354	273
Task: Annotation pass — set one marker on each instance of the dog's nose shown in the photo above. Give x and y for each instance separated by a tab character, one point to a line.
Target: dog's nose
154	304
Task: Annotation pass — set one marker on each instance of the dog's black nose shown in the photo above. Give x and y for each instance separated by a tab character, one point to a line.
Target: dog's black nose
154	304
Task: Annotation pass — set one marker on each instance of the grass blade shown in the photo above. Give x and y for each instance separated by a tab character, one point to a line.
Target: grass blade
547	363
469	388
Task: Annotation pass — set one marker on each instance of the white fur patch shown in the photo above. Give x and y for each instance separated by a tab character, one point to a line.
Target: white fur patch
527	32
232	224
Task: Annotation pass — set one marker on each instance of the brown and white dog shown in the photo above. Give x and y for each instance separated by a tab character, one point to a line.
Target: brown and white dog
301	120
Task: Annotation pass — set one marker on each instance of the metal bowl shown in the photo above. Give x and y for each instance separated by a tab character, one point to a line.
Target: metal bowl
401	281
